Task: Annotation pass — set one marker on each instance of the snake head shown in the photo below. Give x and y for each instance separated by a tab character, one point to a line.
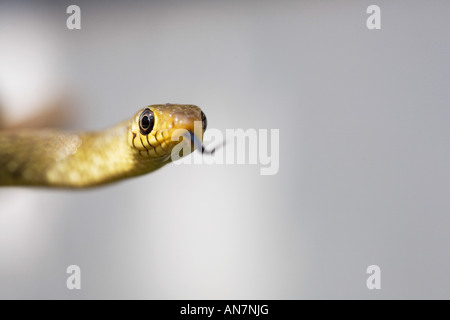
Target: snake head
157	129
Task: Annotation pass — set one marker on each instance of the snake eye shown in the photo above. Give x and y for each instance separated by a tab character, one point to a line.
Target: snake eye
204	121
146	121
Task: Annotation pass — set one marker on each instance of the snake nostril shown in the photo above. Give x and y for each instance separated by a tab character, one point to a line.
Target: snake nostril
204	121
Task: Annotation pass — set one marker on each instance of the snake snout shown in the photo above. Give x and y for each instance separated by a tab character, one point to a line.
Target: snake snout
204	121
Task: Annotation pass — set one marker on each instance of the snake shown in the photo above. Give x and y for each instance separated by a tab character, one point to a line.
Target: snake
62	159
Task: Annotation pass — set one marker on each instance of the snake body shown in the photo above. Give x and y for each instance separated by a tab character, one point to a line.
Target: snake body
55	158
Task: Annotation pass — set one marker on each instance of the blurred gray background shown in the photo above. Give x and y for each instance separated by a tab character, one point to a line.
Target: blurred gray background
364	153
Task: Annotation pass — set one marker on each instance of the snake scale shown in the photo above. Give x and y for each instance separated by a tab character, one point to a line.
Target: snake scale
55	158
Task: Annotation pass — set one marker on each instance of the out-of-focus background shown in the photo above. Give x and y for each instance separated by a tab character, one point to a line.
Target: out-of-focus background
364	119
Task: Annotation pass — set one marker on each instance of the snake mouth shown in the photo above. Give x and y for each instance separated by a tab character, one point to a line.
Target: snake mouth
199	145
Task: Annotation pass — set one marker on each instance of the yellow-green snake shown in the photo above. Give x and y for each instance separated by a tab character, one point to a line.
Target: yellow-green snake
55	158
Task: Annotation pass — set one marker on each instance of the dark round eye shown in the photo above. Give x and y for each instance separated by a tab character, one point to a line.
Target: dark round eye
204	121
146	121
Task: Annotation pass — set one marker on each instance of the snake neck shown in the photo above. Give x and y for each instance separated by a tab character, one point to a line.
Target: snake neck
61	159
